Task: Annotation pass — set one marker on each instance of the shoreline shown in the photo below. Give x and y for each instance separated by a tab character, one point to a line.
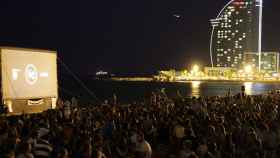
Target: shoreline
146	79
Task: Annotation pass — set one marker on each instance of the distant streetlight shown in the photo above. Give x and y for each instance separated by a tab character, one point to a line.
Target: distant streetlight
248	69
195	69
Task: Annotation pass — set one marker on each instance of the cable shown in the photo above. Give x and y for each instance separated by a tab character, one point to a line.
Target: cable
67	91
78	80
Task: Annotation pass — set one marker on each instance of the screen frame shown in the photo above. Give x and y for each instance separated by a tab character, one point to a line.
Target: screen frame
31	50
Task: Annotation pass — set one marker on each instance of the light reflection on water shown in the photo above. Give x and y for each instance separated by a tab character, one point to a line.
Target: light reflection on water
129	92
248	88
202	88
195	88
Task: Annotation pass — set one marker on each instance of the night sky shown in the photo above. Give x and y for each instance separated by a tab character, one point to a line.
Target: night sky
122	36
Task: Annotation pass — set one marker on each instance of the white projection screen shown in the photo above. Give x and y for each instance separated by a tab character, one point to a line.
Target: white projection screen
28	73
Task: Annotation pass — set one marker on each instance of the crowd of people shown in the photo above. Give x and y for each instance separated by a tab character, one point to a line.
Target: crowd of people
232	126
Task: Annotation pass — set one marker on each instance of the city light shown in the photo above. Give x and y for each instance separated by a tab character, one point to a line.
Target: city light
275	74
195	69
248	69
227	43
198	73
232	45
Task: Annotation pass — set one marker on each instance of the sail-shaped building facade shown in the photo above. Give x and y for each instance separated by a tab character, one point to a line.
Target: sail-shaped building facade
236	30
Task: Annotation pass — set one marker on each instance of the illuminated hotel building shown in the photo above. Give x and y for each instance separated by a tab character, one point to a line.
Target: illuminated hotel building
235	31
